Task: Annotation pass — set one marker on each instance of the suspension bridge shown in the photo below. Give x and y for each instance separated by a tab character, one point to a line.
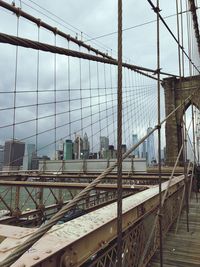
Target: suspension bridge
99	156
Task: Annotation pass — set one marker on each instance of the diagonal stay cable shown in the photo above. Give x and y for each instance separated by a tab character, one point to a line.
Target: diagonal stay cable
42	230
28	43
158	214
172	34
19	12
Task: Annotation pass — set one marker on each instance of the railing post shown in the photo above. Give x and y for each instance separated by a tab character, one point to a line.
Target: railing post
119	139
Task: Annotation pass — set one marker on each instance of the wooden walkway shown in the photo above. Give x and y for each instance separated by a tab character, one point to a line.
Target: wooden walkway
182	249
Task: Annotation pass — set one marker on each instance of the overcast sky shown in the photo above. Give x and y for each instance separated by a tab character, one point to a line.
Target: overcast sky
86	19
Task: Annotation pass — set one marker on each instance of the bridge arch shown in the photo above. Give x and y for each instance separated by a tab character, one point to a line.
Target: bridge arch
175	94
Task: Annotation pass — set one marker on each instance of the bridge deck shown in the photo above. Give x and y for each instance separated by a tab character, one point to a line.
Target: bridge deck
182	249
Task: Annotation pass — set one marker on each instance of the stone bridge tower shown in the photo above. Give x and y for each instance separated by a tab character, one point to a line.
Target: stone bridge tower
175	94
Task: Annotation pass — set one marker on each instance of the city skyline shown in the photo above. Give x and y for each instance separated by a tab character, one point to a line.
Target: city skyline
79	148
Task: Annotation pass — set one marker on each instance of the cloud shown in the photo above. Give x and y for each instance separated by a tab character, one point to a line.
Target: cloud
86	93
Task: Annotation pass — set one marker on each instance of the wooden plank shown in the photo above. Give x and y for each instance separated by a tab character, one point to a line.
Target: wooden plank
182	249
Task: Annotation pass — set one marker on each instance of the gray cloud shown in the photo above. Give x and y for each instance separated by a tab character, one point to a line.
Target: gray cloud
95	18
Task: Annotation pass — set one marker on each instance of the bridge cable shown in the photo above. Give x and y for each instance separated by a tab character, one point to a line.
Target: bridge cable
156	220
127	100
37	21
135	26
37	92
138	115
91	117
195	159
43	229
55	96
174	37
181	73
157	11
99	44
69	94
119	139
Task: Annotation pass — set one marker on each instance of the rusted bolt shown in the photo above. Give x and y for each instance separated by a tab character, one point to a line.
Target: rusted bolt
48	251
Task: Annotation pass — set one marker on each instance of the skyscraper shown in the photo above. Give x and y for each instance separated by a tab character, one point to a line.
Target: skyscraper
135	141
86	147
1	156
60	151
68	150
104	147
150	147
104	143
78	147
14	153
30	153
144	149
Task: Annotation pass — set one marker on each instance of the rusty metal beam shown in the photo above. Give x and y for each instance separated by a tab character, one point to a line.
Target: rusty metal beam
89	204
70	185
95	229
54	174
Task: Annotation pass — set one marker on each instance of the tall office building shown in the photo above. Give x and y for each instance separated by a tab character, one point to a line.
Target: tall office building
1	157
30	153
78	147
68	150
104	147
60	152
136	152
13	154
86	147
60	145
104	143
150	147
35	161
144	149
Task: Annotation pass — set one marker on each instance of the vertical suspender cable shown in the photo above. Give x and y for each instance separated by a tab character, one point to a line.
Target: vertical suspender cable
15	86
128	95
55	100
91	111
185	129
183	125
182	37
113	110
106	99
99	107
159	134
81	100
119	139
37	95
69	94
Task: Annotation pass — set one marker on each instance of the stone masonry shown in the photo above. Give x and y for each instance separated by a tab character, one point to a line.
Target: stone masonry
175	94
